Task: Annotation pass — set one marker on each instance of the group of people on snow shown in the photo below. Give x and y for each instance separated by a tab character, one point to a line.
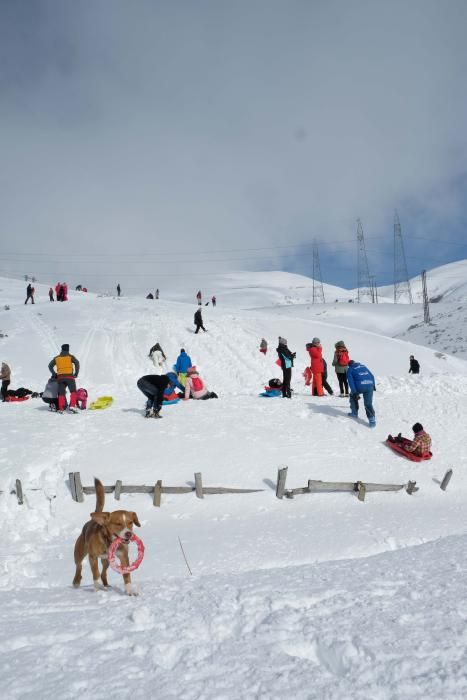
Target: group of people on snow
355	379
184	382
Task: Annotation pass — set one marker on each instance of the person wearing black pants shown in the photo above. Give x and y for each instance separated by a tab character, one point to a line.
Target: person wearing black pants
198	321
153	387
5	376
343	383
286	358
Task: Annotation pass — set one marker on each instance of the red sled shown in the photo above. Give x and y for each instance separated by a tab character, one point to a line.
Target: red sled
11	399
397	447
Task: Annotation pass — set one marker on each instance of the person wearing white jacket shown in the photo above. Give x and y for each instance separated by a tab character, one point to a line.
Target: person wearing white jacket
158	358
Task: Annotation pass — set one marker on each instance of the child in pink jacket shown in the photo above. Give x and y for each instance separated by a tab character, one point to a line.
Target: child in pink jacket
195	386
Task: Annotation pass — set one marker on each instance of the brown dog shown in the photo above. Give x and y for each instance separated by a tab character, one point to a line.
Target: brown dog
97	536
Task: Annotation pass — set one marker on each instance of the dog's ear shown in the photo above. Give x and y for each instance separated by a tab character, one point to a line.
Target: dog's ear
100	518
135	519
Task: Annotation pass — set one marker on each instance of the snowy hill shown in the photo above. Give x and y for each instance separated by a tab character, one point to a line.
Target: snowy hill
257	600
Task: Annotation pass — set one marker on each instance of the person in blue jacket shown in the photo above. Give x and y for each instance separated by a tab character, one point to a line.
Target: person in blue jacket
361	381
181	366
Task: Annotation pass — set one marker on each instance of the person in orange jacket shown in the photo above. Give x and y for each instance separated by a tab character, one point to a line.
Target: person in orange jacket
316	365
65	368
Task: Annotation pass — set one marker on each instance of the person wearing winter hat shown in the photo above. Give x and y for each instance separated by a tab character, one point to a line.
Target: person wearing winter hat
316	366
340	363
361	381
65	368
195	387
286	359
421	444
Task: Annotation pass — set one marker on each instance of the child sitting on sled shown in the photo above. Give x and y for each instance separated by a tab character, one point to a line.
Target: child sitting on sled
420	445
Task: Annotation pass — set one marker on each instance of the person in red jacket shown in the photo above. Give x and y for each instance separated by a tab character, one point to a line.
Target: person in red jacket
316	365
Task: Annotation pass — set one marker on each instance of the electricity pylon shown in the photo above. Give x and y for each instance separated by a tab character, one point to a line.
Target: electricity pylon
318	291
401	276
364	282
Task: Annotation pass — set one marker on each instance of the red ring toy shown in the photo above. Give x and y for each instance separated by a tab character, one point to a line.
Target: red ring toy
112	552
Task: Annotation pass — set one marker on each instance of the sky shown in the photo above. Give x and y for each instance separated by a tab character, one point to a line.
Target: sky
151	139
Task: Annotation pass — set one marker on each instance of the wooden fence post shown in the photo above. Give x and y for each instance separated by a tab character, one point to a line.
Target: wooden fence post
76	487
19	492
361	488
118	489
446	480
281	479
157	494
199	485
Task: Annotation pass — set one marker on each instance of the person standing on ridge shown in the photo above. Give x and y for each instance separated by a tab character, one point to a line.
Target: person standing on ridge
118	290
5	376
361	381
286	358
65	368
157	294
198	321
213	300
51	294
414	365
29	294
199	297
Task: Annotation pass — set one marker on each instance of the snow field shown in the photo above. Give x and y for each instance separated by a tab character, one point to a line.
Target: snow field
267	613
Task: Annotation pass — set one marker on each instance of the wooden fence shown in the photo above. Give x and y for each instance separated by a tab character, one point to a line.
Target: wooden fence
78	491
361	488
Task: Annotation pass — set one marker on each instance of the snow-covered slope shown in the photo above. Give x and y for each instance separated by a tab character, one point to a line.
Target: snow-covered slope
179	633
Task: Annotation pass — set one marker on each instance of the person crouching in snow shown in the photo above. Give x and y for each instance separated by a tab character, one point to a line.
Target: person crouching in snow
153	387
286	358
420	445
316	364
361	381
158	358
195	386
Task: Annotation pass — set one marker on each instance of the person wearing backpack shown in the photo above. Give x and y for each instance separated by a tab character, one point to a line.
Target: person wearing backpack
317	367
198	321
341	364
65	368
361	381
286	359
195	387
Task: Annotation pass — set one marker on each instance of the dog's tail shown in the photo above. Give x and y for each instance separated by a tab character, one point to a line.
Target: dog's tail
100	495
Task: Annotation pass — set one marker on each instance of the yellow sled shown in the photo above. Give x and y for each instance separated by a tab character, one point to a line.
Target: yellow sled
101	402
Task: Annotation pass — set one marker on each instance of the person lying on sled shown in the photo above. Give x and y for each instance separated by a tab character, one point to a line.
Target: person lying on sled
420	445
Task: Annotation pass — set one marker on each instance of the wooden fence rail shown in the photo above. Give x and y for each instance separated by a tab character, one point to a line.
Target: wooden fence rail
78	491
361	488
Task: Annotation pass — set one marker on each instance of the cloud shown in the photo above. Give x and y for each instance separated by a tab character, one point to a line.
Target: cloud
130	128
